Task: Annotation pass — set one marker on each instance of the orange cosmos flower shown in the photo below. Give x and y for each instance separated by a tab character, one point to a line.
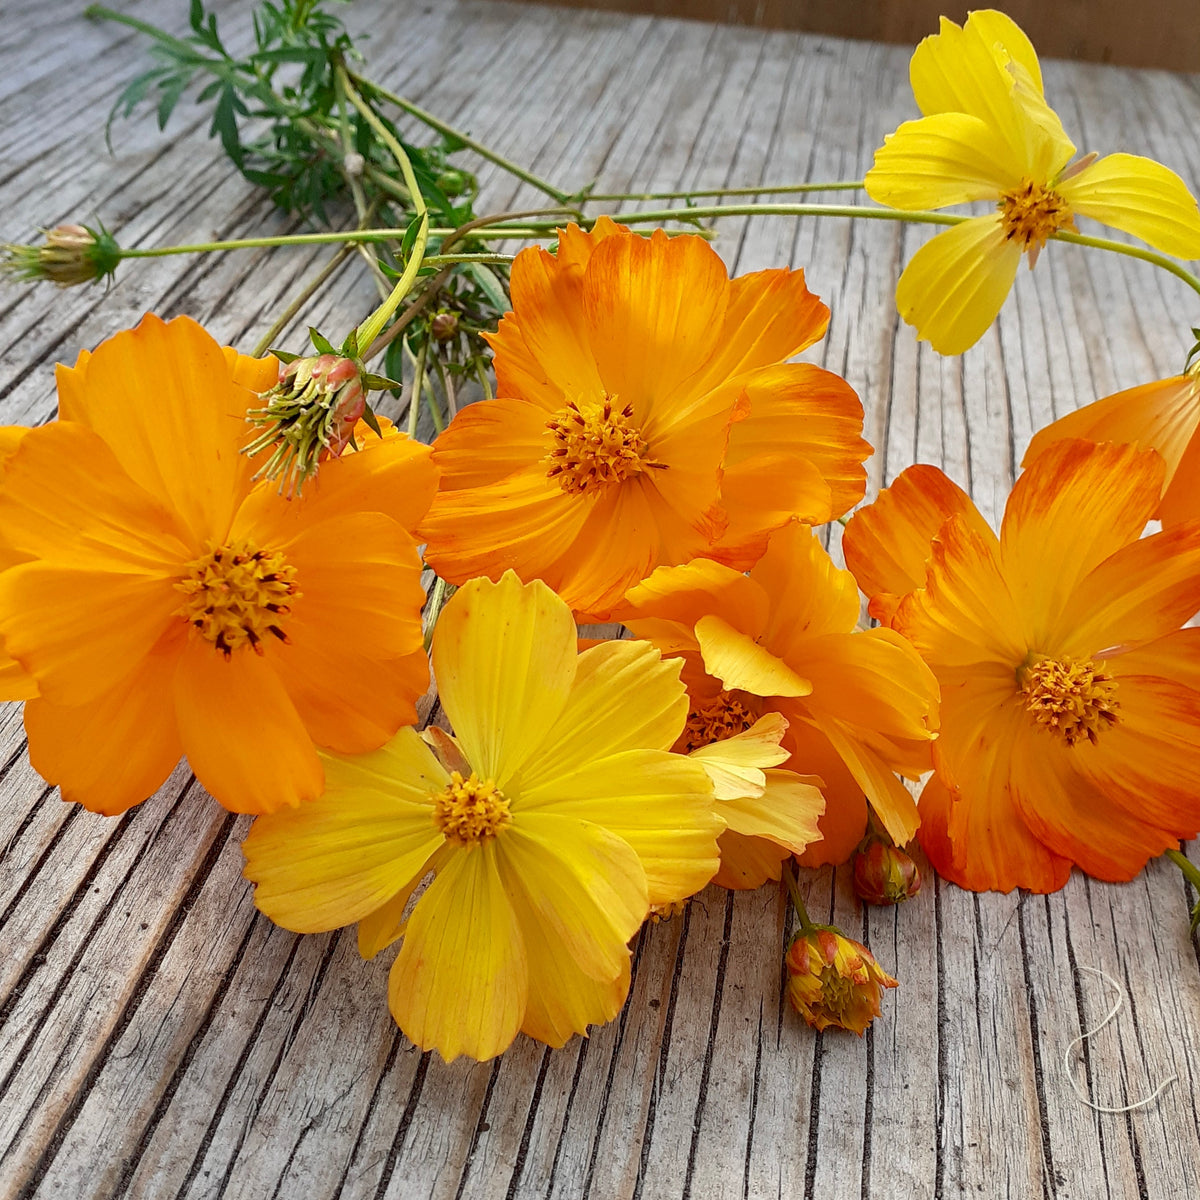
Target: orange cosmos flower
165	605
1070	696
860	705
647	416
1162	416
834	980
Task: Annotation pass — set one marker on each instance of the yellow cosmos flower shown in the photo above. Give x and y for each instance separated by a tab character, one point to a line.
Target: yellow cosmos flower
167	606
834	980
551	822
646	414
987	133
1070	694
860	705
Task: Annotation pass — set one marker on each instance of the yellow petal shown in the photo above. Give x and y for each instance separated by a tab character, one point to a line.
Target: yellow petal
1141	197
504	660
890	799
740	662
461	980
586	883
786	813
956	284
737	765
379	929
947	158
625	697
660	803
336	859
1008	41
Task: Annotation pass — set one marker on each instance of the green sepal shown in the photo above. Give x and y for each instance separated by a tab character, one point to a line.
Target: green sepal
372	420
379	383
285	356
350	345
321	344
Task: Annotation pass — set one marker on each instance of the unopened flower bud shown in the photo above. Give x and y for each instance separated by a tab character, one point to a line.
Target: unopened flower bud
833	980
70	254
308	416
884	874
444	326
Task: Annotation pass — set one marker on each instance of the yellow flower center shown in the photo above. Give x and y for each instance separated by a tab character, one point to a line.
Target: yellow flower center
236	594
1074	699
721	718
595	447
1031	213
468	810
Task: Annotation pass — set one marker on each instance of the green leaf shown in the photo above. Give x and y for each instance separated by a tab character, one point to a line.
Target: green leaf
489	284
410	235
321	344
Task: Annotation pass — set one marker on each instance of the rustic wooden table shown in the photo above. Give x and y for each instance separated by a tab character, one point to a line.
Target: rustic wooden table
160	1039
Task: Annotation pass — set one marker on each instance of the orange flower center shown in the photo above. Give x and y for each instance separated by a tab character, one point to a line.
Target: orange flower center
1074	699
468	810
236	594
595	447
724	717
1031	213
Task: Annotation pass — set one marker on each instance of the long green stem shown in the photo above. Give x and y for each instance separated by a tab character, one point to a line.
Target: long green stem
779	189
1192	874
418	385
789	878
373	326
447	130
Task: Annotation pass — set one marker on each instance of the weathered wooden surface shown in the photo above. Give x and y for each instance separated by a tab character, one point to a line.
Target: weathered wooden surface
162	1040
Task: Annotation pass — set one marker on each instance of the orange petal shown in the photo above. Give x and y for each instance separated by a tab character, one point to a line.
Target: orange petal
651	307
115	750
490	441
1181	500
1067	811
1162	416
887	543
844	820
891	801
807	413
163	398
748	862
685	593
990	850
1145	590
965	613
1077	504
15	682
771	317
241	733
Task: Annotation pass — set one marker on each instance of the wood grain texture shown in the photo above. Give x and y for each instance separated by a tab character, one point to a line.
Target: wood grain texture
161	1040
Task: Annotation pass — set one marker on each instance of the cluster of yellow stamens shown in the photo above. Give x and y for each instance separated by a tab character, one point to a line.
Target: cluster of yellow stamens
236	594
721	718
470	810
1073	698
595	446
1031	213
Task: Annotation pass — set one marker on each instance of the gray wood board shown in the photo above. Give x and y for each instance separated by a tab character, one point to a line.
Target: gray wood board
160	1039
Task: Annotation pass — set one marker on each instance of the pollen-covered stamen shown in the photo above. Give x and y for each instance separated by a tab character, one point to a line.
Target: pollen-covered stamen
727	715
1031	213
236	595
595	446
470	810
1073	698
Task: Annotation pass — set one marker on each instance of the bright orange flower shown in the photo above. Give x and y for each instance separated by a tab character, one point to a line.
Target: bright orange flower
1162	416
1070	695
860	705
834	980
166	605
647	416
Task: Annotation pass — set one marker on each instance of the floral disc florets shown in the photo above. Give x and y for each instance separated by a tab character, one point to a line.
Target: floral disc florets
1073	698
1031	213
595	446
470	810
729	714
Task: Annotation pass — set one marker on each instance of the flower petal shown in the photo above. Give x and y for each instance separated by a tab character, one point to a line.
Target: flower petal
461	980
651	306
625	697
1076	505
786	813
504	658
947	158
586	883
844	820
892	802
660	803
748	862
241	733
338	858
1139	196
683	594
115	750
738	765
887	543
738	661
955	285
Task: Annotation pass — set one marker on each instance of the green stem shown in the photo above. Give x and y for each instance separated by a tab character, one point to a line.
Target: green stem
789	878
433	609
373	326
864	211
841	185
446	130
1190	871
418	385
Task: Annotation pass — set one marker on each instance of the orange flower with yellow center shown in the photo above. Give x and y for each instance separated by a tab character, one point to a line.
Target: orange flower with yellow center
166	605
860	705
1070	695
646	415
